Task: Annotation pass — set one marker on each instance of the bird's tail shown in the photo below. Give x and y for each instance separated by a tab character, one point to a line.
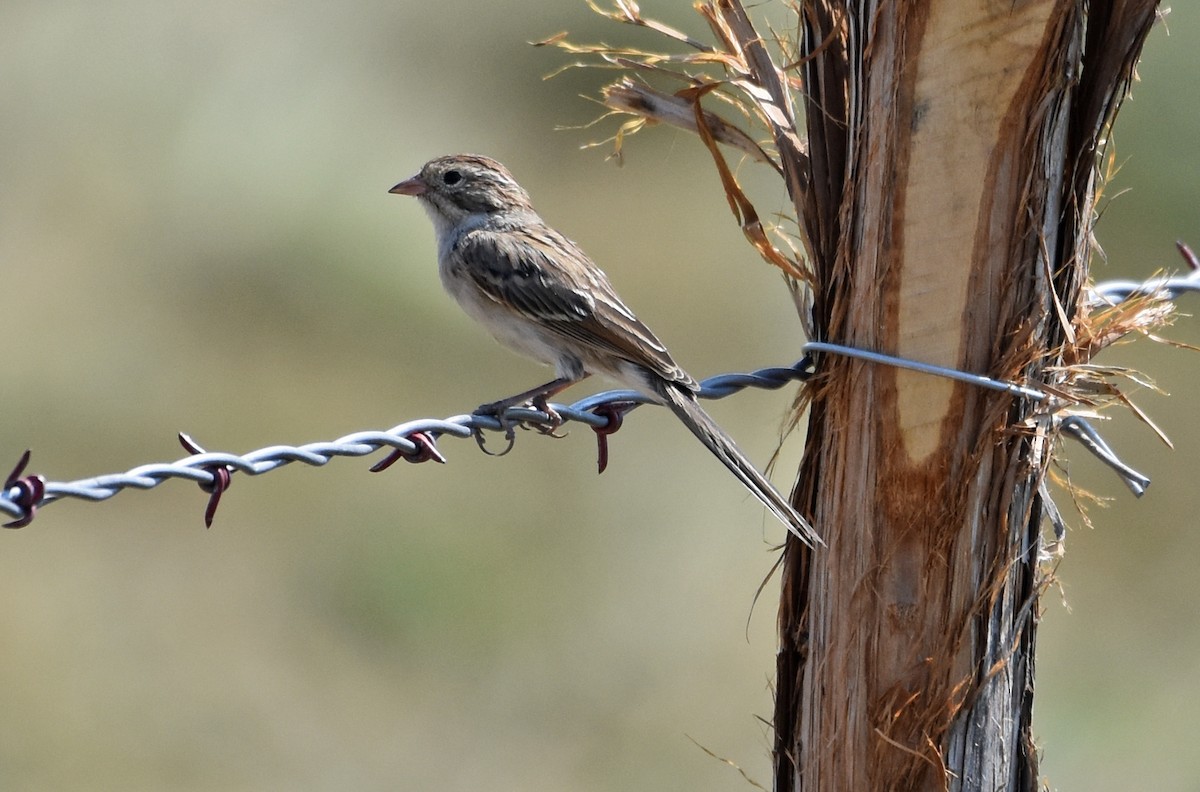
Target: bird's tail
683	403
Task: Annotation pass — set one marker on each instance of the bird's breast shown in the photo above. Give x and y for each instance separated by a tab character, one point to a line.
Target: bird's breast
504	323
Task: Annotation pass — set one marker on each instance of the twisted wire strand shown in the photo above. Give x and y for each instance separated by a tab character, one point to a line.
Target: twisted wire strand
202	468
1167	287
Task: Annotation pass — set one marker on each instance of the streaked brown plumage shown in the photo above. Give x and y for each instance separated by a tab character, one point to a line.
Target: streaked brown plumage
537	292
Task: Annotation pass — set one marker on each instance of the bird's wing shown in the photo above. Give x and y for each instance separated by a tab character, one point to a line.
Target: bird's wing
546	278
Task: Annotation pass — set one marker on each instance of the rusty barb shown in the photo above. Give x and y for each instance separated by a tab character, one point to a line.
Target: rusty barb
604	413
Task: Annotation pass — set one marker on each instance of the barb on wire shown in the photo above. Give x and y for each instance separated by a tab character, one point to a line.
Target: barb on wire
25	492
414	441
1167	287
222	478
1075	426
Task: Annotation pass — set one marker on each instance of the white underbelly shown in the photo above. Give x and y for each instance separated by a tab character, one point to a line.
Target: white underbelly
516	333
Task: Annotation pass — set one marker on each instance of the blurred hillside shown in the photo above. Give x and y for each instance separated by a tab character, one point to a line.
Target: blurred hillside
196	235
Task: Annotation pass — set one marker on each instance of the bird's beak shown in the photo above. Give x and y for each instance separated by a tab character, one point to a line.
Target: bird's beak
413	186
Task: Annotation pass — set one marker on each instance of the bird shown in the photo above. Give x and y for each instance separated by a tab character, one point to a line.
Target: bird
538	293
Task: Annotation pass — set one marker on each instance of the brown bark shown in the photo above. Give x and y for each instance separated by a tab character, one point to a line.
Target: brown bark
948	206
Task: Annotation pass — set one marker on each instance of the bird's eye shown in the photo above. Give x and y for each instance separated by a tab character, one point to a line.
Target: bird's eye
451	177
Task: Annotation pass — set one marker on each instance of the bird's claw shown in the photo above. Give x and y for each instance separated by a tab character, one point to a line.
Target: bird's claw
499	410
509	437
554	420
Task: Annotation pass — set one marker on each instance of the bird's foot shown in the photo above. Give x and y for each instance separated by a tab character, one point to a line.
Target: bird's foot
500	409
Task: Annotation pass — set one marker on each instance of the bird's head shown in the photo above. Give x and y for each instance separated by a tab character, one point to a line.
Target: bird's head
460	185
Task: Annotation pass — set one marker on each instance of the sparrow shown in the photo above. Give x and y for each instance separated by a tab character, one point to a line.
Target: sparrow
538	293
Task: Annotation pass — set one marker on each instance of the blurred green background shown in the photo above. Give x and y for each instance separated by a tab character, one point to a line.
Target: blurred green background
195	235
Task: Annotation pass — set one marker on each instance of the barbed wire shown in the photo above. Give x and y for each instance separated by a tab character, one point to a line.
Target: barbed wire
413	441
416	441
